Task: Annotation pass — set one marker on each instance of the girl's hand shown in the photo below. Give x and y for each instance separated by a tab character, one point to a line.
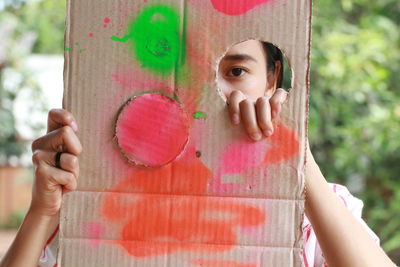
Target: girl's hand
256	116
51	182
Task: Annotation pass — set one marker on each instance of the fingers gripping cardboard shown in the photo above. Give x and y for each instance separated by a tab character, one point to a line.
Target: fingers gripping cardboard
166	179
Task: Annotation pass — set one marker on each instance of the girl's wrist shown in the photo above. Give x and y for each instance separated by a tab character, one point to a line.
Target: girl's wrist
47	223
38	216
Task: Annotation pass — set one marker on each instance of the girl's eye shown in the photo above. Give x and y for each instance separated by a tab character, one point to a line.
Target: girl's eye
236	72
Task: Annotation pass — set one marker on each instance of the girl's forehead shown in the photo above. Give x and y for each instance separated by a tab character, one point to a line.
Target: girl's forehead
248	47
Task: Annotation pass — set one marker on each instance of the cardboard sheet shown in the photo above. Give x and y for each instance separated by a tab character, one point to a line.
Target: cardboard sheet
166	179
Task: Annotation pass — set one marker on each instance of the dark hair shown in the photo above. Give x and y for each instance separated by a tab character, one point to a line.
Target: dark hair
274	54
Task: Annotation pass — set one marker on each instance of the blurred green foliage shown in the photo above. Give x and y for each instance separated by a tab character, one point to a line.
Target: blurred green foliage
11	56
26	27
14	221
354	122
46	18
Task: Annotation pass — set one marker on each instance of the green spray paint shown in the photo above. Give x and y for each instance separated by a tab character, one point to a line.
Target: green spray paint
199	115
122	40
154	37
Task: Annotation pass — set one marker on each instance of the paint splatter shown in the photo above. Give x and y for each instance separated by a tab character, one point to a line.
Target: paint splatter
242	154
152	129
90	34
221	263
155	39
82	50
236	7
284	145
67	49
106	21
94	230
236	158
199	115
126	78
117	39
174	215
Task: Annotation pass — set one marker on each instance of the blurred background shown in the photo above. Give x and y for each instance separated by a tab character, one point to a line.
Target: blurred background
354	120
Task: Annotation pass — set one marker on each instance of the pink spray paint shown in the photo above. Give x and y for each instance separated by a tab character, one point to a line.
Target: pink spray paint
236	7
152	130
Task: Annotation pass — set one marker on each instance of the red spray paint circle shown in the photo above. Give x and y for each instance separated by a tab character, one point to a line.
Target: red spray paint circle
152	130
236	7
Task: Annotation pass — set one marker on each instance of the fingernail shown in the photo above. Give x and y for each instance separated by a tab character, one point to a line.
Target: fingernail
268	132
235	118
256	136
74	126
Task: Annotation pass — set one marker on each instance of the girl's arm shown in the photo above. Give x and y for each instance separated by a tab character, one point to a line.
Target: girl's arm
30	240
343	240
49	184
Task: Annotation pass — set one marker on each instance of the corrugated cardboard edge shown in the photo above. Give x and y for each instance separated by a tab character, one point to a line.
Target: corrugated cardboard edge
304	193
66	79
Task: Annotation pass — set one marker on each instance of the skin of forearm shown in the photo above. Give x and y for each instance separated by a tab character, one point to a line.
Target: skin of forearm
343	240
30	240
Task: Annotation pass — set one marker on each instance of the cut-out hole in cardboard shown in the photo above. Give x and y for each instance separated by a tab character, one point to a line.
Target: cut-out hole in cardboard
152	129
256	68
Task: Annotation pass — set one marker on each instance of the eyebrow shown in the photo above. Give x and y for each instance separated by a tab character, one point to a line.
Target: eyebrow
239	57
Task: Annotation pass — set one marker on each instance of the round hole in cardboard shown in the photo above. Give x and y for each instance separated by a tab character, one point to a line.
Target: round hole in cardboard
253	67
152	129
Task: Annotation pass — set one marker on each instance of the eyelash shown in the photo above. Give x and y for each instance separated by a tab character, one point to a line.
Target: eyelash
243	72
